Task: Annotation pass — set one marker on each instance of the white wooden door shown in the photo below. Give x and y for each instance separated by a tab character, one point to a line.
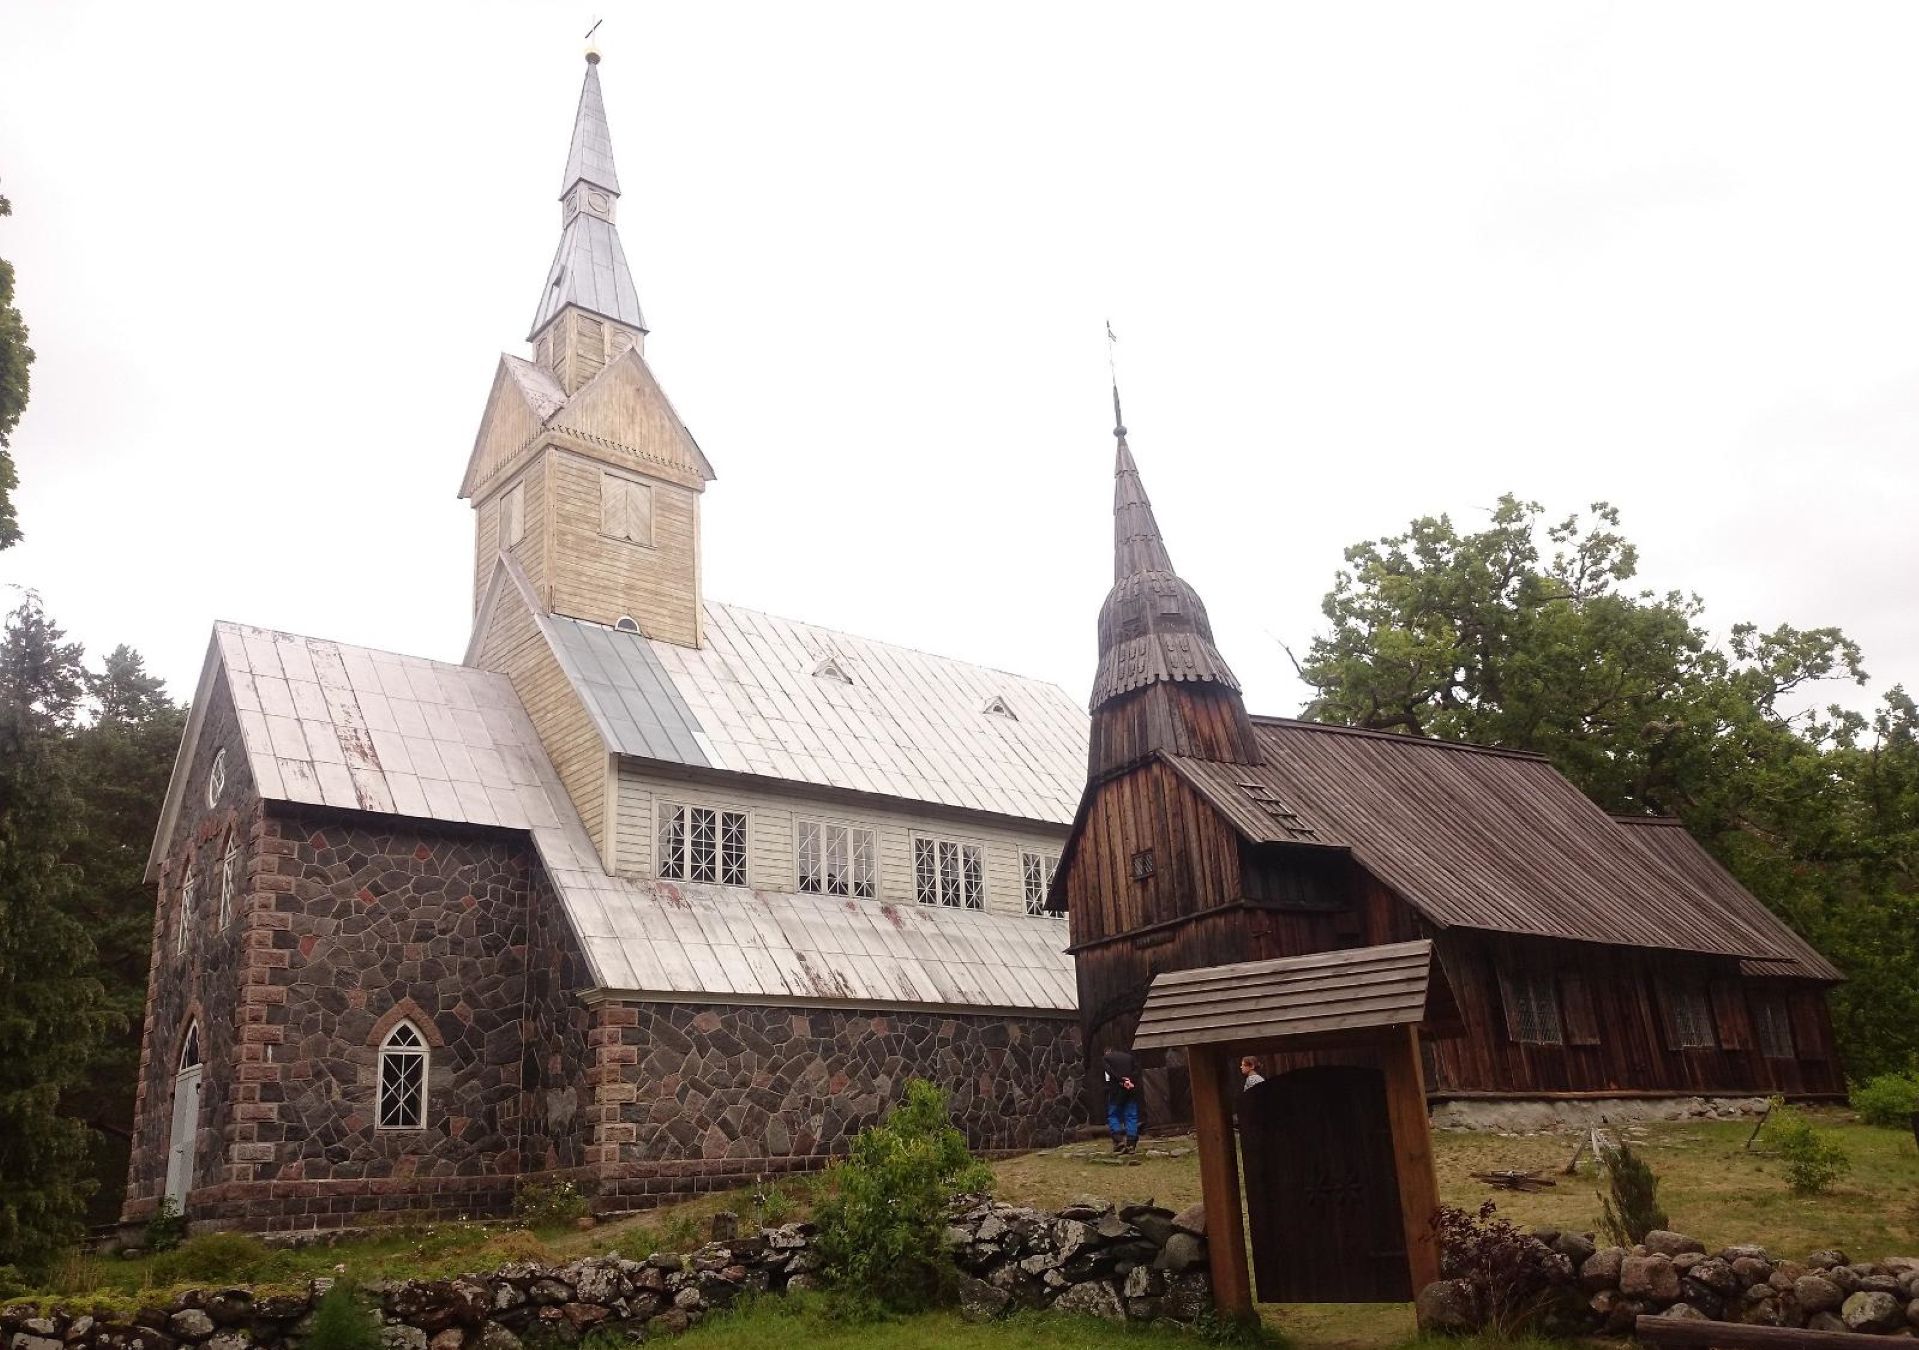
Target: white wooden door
186	1123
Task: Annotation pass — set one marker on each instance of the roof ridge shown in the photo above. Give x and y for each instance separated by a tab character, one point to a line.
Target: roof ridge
356	646
884	642
1466	747
1659	822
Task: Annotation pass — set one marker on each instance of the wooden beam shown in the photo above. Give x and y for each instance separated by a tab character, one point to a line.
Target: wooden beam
1412	1153
1733	1336
1213	1088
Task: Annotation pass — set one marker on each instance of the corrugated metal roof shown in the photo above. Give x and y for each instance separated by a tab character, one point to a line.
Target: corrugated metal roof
902	724
1671	845
1494	839
333	725
1362	989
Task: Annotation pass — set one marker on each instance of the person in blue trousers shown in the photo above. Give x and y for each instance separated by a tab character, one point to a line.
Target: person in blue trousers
1122	1100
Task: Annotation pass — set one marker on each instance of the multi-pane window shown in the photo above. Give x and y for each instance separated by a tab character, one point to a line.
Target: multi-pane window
1036	871
702	843
1532	1007
836	859
948	872
402	1103
229	877
189	892
1691	1018
1775	1028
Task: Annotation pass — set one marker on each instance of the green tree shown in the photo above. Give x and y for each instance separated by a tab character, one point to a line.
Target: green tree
1527	635
52	1007
120	763
15	357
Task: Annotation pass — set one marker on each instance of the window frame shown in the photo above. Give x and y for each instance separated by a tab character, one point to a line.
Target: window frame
723	875
513	515
965	880
821	852
229	867
418	1052
629	487
1531	999
1775	1039
1048	867
1688	1014
189	884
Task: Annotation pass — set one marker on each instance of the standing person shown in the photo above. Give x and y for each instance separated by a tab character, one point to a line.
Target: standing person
1249	1073
1122	1099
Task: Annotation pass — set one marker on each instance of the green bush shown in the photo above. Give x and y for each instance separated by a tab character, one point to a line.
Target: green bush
228	1258
544	1204
883	1224
1813	1159
167	1226
1890	1099
342	1322
1629	1206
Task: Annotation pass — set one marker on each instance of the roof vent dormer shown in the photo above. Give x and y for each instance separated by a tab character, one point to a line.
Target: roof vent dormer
625	623
829	668
997	706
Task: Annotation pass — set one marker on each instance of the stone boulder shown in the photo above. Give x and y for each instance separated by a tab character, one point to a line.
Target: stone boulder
1827	1258
1685	1312
1668	1243
1182	1252
1095	1298
980	1301
1817	1294
1192	1219
1652	1277
1448	1308
190	1324
1872	1311
1600	1271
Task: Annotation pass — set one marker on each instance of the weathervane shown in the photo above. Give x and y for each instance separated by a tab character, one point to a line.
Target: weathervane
592	52
1112	368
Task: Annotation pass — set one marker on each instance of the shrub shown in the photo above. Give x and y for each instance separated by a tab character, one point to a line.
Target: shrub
167	1226
229	1258
342	1322
1813	1159
883	1225
548	1204
1629	1206
1512	1270
1890	1099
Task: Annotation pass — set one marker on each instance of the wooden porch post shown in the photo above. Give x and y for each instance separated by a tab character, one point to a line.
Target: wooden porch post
1412	1152
1219	1181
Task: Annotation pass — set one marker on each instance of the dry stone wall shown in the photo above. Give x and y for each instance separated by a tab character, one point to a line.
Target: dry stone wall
1087	1258
1606	1289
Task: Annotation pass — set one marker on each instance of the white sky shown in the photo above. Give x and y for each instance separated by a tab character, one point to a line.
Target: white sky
1366	262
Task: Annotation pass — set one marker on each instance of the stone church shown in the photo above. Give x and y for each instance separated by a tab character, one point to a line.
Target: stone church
652	892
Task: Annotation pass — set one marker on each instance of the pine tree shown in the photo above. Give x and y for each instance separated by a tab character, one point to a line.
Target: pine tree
120	765
52	1007
15	357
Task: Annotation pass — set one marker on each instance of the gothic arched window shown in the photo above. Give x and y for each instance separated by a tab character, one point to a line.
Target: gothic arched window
229	876
402	1104
189	887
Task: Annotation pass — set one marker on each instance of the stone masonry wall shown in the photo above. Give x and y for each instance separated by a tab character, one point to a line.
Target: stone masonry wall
361	921
691	1098
200	984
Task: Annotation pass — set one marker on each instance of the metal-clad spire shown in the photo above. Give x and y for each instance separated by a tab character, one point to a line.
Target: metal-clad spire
589	269
590	157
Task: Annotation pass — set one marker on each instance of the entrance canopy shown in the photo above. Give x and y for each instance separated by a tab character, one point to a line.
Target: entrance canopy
1322	999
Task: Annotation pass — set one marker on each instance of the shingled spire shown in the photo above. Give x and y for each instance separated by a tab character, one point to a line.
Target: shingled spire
589	311
1162	685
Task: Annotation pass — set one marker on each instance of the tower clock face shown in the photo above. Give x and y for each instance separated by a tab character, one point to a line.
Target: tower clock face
597	203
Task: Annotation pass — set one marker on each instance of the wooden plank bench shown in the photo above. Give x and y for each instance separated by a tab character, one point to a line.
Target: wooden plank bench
1696	1334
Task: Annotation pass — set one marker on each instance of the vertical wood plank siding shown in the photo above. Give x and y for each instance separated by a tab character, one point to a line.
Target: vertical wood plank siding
1192	718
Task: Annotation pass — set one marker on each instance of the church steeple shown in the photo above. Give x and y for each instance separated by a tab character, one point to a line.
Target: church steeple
589	310
1161	685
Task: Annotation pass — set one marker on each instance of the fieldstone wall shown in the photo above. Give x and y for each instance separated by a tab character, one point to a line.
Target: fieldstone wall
1087	1259
1607	1289
692	1098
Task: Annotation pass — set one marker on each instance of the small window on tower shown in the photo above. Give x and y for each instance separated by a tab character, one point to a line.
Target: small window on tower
513	515
626	509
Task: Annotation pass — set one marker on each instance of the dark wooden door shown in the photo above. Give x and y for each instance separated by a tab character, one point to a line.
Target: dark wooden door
1322	1196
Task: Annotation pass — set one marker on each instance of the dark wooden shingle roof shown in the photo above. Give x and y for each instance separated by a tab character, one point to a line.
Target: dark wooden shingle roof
1475	837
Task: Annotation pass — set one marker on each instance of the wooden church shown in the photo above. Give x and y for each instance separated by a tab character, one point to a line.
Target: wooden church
1591	956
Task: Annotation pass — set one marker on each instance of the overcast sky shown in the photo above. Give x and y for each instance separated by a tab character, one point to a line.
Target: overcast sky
1366	262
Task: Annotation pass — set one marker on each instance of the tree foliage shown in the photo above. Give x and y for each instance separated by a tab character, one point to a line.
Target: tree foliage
53	1010
15	357
1528	635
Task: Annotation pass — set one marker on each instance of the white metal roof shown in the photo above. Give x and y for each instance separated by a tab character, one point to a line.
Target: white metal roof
329	724
758	698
